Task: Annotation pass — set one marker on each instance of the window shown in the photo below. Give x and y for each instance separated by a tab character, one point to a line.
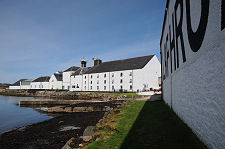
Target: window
121	80
52	80
98	76
112	81
130	73
77	86
121	74
112	87
84	77
91	87
91	82
85	87
104	87
97	81
121	87
105	75
97	87
104	81
112	74
131	87
73	86
84	82
91	76
130	80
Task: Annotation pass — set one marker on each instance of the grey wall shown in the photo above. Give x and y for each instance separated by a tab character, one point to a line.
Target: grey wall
194	85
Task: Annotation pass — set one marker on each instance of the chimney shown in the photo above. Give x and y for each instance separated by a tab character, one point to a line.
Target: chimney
83	63
97	61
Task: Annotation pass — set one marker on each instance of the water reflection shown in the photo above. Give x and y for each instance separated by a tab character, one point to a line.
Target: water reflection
12	116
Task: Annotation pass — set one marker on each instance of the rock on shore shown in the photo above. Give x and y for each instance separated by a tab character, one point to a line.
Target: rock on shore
63	94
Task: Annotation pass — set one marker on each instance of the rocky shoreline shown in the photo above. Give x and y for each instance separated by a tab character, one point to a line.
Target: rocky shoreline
55	133
67	95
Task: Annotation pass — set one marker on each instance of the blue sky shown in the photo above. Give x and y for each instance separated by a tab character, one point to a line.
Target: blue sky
40	37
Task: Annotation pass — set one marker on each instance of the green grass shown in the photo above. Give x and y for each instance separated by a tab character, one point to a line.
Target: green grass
144	125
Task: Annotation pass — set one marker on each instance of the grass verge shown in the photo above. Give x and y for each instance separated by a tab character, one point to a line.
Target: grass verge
140	125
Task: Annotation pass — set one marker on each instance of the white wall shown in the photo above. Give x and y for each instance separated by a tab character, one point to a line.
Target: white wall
195	90
39	85
105	80
14	87
25	86
148	76
76	83
54	83
67	79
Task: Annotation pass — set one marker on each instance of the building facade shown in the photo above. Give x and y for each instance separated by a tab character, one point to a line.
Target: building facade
129	75
56	81
67	77
40	83
193	66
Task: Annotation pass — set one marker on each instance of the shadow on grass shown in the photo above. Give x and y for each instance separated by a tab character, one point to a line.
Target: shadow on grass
158	127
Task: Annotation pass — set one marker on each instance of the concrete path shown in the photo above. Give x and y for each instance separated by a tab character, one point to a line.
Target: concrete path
150	98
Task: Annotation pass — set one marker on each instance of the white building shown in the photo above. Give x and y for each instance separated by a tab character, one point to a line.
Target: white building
40	83
130	75
193	66
67	77
55	82
25	84
17	84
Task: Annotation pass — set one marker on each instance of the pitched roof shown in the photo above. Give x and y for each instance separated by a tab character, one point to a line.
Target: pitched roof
81	70
58	76
73	68
119	65
17	83
42	79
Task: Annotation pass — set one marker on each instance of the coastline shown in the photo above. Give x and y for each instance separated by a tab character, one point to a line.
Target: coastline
66	95
49	134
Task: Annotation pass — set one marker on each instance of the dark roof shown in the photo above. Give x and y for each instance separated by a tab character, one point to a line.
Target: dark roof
58	76
81	70
119	65
42	79
73	68
17	83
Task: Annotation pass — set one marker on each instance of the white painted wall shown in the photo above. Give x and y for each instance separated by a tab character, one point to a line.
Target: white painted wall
25	87
67	79
76	83
147	77
107	80
39	85
54	83
195	90
14	87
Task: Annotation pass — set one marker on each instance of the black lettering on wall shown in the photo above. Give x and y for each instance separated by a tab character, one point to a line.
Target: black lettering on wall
196	38
223	15
166	56
172	45
179	33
